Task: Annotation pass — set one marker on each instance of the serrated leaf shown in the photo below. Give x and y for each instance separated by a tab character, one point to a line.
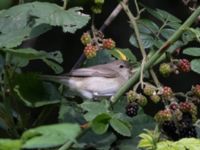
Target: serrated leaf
94	108
147	26
21	57
29	20
147	40
100	142
120	127
50	135
54	66
195	65
189	143
13	38
100	123
192	51
9	144
33	92
163	15
70	20
70	112
167	33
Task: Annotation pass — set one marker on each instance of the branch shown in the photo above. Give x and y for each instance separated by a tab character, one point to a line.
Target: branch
157	55
107	22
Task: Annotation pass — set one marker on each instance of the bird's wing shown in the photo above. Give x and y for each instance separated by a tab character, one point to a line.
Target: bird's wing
93	72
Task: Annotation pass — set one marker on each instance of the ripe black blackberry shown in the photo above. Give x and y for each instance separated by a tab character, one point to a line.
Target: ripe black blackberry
188	132
132	109
170	130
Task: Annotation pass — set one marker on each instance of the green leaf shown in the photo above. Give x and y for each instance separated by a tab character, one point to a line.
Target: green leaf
167	33
69	20
54	66
8	144
195	65
33	92
29	20
163	15
50	135
94	109
189	143
192	51
100	123
120	127
147	26
21	57
100	142
13	38
146	39
70	112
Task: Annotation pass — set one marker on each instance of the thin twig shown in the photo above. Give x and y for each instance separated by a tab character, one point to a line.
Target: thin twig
137	34
107	22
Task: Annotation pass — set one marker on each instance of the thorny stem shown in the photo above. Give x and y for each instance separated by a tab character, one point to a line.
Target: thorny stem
137	33
159	53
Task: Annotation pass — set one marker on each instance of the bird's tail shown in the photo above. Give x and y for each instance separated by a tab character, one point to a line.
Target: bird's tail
58	79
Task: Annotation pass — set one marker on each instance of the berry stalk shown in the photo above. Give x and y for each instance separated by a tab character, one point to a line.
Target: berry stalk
157	55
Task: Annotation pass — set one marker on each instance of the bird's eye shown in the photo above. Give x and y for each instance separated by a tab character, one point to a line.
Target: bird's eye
121	66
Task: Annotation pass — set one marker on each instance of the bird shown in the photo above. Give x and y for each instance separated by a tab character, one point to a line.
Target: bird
97	81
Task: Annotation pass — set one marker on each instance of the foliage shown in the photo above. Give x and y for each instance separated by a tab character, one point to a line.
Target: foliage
78	123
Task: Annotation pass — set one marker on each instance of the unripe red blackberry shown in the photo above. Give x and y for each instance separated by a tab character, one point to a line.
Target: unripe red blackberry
142	100
196	90
163	115
86	38
184	65
165	69
108	43
155	98
149	90
90	51
132	109
167	93
188	107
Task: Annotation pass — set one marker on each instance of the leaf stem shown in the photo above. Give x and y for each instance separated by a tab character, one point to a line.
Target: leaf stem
157	55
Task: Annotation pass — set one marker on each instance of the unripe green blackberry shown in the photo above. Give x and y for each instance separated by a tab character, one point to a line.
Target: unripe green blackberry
165	69
163	115
131	96
96	9
98	1
149	90
86	38
142	100
155	98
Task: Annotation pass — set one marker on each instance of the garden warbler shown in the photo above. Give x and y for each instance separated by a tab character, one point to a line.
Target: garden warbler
97	81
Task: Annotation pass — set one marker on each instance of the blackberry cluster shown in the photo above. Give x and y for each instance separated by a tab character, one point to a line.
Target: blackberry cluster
132	109
185	128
